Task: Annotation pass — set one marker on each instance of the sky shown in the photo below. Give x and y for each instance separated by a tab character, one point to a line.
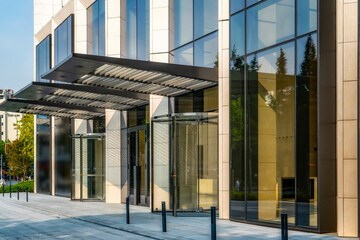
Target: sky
16	43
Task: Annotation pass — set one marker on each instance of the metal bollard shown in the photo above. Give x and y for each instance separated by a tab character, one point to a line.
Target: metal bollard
3	190
27	194
127	211
18	193
163	210
213	223
284	227
10	190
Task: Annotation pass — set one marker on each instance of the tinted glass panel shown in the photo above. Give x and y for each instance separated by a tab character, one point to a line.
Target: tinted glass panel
306	16
206	17
237	116
184	55
205	51
237	32
306	114
236	5
96	28
43	58
62	157
102	27
183	21
43	176
271	134
143	49
251	2
269	23
63	40
138	116
131	33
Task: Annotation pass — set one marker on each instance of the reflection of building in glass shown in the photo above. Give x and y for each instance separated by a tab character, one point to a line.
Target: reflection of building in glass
246	105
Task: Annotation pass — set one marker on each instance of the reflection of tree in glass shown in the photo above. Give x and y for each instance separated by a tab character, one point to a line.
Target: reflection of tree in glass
309	65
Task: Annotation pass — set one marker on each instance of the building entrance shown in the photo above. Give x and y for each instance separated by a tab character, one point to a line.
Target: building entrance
88	165
185	162
138	171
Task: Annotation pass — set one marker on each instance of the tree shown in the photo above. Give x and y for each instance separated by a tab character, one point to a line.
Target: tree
20	153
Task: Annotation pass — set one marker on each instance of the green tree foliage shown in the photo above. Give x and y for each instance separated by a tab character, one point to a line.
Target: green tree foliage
20	153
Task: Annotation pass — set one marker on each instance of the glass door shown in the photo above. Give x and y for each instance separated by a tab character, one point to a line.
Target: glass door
88	164
138	172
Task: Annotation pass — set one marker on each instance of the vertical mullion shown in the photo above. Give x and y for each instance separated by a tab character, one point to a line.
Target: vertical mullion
295	109
245	111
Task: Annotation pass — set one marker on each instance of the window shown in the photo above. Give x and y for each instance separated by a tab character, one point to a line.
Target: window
195	32
199	101
137	29
96	28
64	40
273	111
43	58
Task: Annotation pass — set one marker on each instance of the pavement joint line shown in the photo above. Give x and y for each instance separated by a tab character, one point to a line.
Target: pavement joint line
84	220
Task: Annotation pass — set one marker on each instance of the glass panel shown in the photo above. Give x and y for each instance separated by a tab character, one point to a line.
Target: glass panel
43	60
187	165
206	51
306	16
124	166
269	23
96	28
76	166
208	164
236	5
251	2
143	42
183	22
306	114
271	134
43	155
161	165
237	31
142	165
63	40
101	27
237	118
184	55
62	157
131	33
211	99
205	17
184	103
132	164
139	116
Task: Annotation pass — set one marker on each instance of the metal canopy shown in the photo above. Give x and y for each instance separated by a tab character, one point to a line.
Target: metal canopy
51	109
133	75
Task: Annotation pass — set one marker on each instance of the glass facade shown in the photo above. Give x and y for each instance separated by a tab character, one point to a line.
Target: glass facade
273	108
138	116
43	165
96	28
200	101
43	58
195	32
137	29
63	40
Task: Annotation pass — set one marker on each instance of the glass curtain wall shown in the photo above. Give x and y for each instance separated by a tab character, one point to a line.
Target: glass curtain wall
195	33
273	105
64	40
43	163
63	157
137	29
96	28
200	101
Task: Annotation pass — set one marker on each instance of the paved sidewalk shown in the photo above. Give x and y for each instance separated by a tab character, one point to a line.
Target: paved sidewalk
98	220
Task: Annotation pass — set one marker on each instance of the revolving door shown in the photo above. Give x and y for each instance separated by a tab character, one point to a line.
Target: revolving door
88	167
185	162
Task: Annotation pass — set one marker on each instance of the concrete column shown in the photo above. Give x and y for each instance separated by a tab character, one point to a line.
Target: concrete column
113	156
347	68
224	109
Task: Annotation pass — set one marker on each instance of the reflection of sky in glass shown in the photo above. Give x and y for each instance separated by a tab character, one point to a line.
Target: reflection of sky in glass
251	2
42	58
236	5
237	31
306	16
131	29
183	21
269	23
267	59
63	38
143	50
206	17
184	55
301	45
205	51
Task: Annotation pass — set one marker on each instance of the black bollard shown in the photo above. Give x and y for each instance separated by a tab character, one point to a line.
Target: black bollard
18	193
163	210
284	227
127	211
213	223
27	194
10	189
3	190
